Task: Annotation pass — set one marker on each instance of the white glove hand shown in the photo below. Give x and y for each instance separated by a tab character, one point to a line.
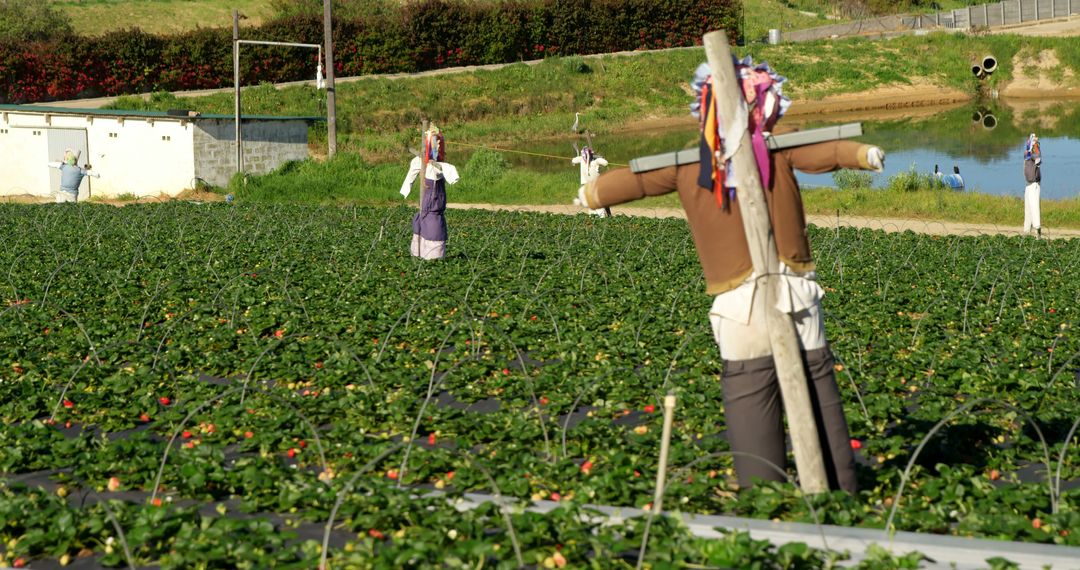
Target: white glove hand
1038	161
875	157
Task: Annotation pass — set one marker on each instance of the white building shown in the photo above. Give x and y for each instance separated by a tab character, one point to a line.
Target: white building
140	153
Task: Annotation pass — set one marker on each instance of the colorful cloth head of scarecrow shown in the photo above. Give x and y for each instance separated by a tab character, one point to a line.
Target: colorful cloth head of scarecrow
587	155
765	103
1031	149
434	145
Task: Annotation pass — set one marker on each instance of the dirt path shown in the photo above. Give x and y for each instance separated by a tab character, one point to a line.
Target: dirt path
930	227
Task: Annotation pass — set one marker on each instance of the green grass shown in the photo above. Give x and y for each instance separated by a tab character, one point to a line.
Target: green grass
96	17
486	178
529	106
938	205
377	116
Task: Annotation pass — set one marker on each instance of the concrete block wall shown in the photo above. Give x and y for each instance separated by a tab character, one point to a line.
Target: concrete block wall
267	145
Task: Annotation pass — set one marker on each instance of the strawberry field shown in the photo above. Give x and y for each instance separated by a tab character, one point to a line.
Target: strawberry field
222	386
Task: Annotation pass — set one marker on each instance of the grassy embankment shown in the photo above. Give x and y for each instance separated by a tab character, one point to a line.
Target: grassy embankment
95	17
520	105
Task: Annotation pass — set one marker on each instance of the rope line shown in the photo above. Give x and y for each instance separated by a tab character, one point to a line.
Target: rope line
449	143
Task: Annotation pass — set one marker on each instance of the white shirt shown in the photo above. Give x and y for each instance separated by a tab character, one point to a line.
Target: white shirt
435	171
797	293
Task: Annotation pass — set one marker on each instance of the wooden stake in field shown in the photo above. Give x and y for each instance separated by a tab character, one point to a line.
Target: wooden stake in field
759	236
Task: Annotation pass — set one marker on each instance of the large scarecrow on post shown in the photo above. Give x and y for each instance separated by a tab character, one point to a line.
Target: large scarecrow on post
706	187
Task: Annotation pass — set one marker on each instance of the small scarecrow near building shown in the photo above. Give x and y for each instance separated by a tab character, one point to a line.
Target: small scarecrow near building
706	185
71	176
429	224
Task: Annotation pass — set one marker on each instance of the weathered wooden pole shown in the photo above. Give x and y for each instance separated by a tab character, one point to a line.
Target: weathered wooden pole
750	199
423	158
331	92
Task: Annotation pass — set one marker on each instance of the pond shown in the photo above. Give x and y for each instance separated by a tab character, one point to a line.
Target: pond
984	140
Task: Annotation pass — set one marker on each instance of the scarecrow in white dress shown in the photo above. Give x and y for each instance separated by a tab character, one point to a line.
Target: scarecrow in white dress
590	164
429	224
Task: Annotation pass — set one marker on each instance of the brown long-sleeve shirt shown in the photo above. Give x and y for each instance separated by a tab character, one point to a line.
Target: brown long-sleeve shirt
718	235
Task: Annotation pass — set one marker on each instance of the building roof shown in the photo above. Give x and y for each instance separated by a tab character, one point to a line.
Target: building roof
43	109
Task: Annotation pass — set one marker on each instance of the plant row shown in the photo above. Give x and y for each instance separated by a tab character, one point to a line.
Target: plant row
278	359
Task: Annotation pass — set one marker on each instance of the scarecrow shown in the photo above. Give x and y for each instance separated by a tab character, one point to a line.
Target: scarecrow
590	164
752	404
71	176
1033	176
429	224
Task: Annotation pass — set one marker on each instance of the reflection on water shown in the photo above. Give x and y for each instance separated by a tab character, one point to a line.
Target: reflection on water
986	142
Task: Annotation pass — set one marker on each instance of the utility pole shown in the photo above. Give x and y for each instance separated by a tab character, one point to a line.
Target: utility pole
236	86
750	199
331	111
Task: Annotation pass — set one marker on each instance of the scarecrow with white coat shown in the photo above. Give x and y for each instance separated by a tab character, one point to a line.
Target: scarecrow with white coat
71	176
752	404
1033	177
429	224
590	164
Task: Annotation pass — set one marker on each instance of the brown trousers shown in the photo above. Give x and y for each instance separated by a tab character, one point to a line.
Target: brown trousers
755	419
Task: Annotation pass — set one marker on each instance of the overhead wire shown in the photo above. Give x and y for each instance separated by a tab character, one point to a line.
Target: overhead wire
450	143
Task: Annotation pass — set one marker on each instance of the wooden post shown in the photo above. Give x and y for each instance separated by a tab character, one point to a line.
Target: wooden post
236	88
423	159
331	93
750	199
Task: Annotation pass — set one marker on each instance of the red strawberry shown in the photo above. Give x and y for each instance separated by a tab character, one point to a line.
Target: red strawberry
376	534
185	434
431	439
69	404
144	418
156	502
393	474
650	409
544	400
249	434
164	401
856	444
291	452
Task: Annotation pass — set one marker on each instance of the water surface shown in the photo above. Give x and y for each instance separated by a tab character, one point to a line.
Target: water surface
985	141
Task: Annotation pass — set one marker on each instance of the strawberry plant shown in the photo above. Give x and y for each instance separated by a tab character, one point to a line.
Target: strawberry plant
252	371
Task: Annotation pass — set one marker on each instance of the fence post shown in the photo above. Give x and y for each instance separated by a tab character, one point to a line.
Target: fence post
1020	10
1002	4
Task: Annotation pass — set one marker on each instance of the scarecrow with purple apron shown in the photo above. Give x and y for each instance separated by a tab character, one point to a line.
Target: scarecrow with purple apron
429	224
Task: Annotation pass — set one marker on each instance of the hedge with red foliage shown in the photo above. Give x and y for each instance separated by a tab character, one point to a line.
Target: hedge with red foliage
422	35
